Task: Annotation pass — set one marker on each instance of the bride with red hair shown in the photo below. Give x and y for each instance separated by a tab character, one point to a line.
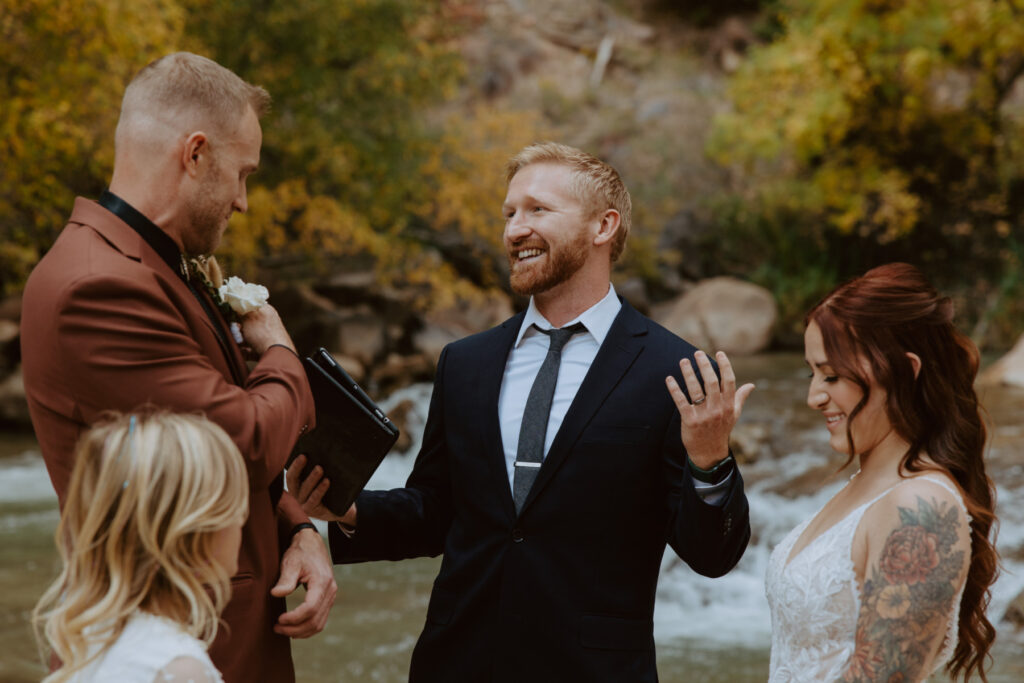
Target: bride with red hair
890	580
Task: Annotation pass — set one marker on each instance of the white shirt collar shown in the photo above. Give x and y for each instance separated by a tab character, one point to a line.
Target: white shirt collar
597	319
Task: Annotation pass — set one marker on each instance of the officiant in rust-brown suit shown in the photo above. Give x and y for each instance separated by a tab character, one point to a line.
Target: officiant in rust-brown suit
114	319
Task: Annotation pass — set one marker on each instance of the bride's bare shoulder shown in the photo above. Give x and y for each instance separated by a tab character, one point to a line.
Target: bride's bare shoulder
926	507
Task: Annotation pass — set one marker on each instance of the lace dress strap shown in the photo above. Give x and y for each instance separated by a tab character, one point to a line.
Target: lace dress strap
934	479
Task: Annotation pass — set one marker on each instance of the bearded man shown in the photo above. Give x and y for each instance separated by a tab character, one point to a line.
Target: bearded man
555	465
115	319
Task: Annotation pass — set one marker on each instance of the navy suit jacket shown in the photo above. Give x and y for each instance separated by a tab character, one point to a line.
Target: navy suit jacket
565	590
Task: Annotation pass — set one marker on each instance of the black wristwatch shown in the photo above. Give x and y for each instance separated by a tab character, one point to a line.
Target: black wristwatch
300	526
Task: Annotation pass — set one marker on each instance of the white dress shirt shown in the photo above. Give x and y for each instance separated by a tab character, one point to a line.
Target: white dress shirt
524	361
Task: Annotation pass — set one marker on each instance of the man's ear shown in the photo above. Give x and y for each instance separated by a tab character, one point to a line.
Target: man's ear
609	227
915	362
194	151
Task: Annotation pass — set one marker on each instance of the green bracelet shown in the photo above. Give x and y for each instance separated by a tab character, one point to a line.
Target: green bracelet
708	476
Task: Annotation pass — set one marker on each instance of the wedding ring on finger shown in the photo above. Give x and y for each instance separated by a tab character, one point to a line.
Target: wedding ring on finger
700	400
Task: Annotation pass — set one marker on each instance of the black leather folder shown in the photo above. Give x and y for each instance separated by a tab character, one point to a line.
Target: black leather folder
352	433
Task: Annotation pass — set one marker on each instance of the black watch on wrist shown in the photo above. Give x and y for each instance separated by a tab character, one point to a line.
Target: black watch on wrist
300	526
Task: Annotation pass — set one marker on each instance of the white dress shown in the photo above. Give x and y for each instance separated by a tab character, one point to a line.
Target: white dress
815	602
149	647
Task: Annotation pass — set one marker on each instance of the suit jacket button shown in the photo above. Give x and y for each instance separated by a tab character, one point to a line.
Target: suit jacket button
517	535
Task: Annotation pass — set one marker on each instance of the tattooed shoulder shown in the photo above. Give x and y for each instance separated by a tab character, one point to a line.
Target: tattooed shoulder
912	579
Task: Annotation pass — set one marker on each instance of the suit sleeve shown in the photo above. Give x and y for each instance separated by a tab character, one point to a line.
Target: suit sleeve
132	347
411	521
710	538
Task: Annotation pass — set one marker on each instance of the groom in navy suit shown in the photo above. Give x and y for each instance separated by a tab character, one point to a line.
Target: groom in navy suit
555	464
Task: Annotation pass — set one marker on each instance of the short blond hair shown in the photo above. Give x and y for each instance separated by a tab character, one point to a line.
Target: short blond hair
595	183
148	492
188	90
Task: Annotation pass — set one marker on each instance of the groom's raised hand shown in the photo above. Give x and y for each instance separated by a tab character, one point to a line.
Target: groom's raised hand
707	414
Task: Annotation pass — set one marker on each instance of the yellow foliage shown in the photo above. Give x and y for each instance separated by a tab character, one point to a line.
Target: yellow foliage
466	171
877	106
287	223
63	67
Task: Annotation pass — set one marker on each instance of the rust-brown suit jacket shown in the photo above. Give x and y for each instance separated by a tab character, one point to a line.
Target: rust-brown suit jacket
107	324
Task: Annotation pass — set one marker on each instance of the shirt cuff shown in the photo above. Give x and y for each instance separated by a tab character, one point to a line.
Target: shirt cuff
718	473
713	494
348	531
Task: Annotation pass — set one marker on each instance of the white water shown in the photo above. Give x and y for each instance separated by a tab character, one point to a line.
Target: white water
726	612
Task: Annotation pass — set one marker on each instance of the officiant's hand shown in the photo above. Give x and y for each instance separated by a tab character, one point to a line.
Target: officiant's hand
306	562
311	490
707	420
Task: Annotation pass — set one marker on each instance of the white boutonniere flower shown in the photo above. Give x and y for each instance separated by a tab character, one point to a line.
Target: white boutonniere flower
243	297
234	297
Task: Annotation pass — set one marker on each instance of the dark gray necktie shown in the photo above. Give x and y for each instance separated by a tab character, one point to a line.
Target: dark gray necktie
530	453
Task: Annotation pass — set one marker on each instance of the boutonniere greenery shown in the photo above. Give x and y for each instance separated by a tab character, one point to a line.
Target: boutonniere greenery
234	297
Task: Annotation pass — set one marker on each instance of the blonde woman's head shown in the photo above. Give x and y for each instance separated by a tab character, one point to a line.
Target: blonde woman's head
151	522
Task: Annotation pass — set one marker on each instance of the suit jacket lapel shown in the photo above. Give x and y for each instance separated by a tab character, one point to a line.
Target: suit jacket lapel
123	238
237	368
492	371
232	352
618	352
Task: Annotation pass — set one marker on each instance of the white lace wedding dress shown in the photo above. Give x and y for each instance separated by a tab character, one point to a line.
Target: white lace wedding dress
152	649
815	600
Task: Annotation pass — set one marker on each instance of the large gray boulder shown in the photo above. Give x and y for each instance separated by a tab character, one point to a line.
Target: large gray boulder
445	325
10	350
362	335
1007	370
722	314
13	404
1015	612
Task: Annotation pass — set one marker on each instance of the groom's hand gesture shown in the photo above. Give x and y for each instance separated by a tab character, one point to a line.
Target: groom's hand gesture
707	414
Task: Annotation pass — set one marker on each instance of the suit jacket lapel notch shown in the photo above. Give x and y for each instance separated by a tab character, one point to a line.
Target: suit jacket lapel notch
237	368
122	237
620	349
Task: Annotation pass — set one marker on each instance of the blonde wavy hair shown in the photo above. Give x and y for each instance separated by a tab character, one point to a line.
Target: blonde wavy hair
148	493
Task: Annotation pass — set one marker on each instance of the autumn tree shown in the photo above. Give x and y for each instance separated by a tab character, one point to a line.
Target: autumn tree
358	157
872	131
361	156
64	67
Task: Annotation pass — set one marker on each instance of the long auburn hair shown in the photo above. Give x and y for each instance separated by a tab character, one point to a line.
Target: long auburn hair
880	317
148	493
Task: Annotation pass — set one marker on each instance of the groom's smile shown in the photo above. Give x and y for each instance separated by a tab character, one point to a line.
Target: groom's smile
545	228
528	254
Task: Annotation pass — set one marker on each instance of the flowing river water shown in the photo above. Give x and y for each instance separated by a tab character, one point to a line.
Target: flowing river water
707	630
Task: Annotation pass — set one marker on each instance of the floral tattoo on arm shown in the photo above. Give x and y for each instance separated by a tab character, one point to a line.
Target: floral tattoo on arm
908	598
